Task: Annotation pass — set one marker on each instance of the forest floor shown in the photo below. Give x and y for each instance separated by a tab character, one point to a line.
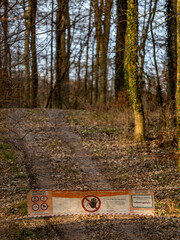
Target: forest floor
83	150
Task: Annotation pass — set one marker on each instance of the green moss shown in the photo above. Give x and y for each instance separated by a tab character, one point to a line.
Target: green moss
21	233
74	170
134	90
31	111
125	176
20	176
4	146
55	144
109	130
19	208
7	155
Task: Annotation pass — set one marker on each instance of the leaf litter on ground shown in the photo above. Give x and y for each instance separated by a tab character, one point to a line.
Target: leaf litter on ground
125	163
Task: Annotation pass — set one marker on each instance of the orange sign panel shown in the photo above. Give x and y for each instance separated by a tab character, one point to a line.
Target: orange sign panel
65	202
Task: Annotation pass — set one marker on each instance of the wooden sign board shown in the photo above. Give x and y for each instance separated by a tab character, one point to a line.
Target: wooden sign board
72	202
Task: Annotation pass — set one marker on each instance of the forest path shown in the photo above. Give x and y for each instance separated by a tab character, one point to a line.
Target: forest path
37	135
55	158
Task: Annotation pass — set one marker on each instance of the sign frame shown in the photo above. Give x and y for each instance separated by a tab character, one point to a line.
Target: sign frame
72	202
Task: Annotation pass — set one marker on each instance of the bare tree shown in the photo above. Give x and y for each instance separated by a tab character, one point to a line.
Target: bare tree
104	50
178	79
171	52
34	70
159	92
62	53
134	86
27	55
120	81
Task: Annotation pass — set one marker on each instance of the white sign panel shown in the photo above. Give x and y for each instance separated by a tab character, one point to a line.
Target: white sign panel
58	202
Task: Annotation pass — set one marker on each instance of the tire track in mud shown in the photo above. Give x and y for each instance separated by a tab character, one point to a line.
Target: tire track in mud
91	175
26	129
23	135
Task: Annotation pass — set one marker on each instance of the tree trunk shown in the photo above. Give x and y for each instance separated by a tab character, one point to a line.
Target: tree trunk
98	9
78	82
52	58
67	55
87	50
120	83
134	90
58	90
159	92
62	53
104	51
34	73
92	75
172	53
1	65
178	79
142	48
5	39
27	57
97	69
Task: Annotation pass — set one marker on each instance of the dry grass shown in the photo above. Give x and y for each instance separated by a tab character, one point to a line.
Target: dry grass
109	137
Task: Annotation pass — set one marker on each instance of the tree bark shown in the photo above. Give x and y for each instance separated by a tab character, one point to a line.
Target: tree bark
134	90
159	92
120	82
104	51
67	55
27	89
178	80
58	90
142	48
6	53
62	53
172	53
92	75
78	82
87	50
98	9
34	72
52	56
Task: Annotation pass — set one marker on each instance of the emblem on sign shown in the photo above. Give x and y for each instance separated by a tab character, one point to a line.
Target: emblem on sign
35	207
44	206
35	199
44	198
91	203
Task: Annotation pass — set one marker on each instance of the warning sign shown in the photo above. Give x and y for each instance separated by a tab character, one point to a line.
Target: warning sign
58	202
35	207
40	202
91	203
44	206
44	198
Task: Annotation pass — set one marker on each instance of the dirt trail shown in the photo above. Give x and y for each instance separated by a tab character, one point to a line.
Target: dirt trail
91	174
49	144
38	162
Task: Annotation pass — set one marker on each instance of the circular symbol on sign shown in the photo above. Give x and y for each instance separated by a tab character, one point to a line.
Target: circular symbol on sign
35	199
44	206
44	198
35	207
91	203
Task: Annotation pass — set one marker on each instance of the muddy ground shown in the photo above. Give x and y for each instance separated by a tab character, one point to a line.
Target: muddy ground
56	149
